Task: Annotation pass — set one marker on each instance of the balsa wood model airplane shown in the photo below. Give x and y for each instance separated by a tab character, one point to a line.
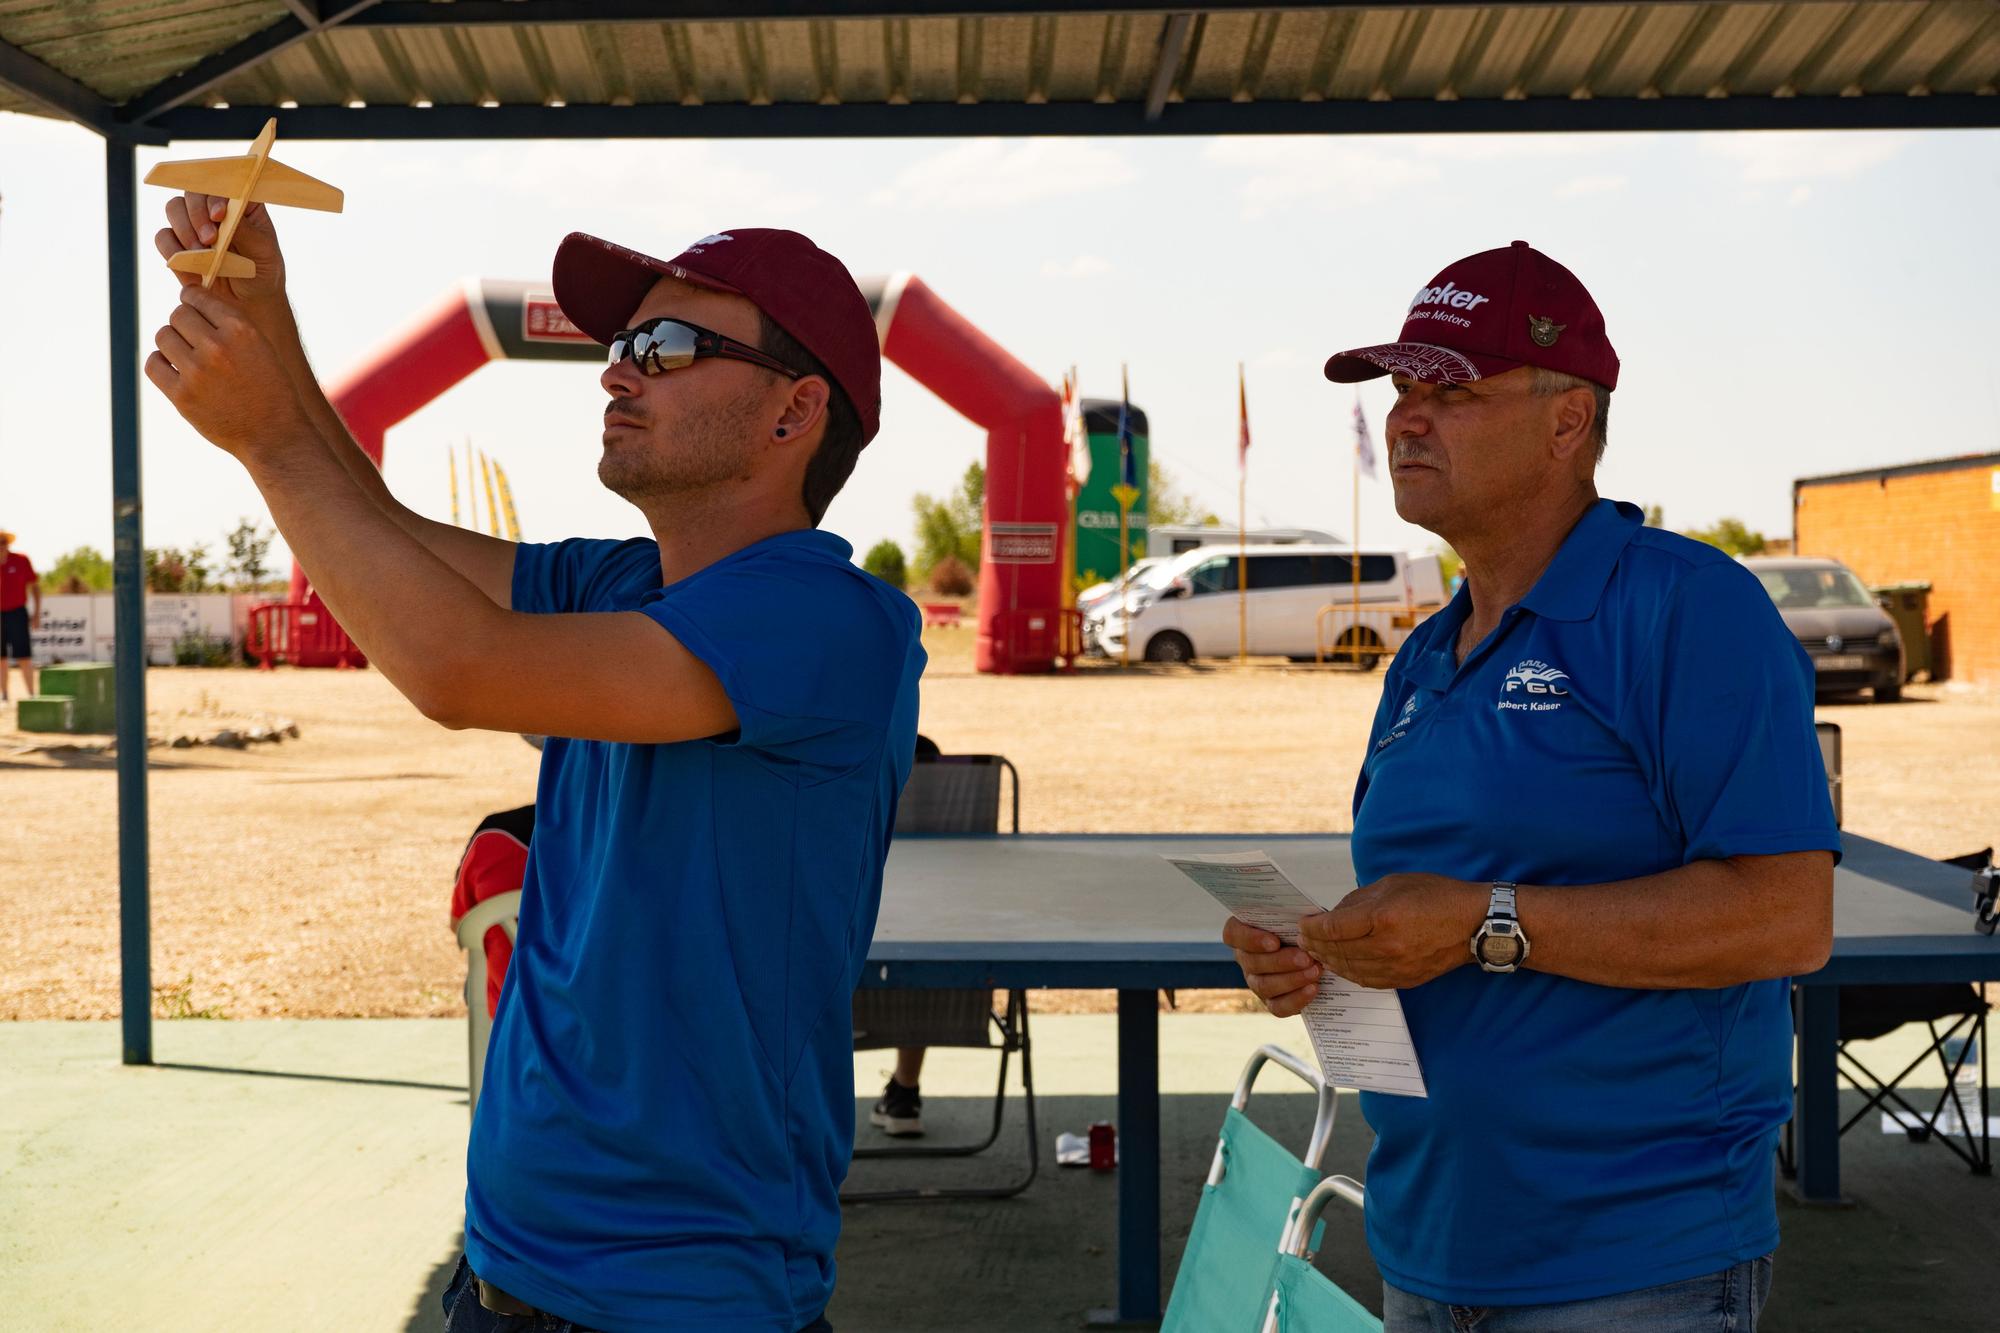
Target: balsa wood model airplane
254	178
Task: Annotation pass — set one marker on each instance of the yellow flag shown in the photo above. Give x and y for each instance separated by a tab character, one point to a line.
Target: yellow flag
492	506
507	502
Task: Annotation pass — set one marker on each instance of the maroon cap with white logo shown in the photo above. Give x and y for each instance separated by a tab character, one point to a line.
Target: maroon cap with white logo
1488	314
806	292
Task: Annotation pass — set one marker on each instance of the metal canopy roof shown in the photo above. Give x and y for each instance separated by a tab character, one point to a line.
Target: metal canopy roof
147	70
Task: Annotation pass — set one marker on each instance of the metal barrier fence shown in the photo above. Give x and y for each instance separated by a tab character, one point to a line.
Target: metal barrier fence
1365	636
300	634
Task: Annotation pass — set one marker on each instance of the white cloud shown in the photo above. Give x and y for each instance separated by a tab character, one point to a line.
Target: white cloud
983	174
1799	195
1765	157
1287	173
1083	266
1578	186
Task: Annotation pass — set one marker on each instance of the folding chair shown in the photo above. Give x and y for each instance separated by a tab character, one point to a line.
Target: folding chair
952	793
1305	1300
1249	1205
1876	1011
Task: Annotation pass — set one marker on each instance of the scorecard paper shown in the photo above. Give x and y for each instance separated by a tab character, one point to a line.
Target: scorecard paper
1359	1033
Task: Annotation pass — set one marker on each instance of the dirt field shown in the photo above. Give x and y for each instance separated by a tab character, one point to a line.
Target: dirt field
311	878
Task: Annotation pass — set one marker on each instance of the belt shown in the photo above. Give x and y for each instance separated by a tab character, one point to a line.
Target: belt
499	1302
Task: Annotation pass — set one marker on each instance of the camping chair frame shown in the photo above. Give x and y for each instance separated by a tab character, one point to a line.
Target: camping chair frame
1227	1248
922	813
1296	1251
1977	1153
1970	1021
1013	1032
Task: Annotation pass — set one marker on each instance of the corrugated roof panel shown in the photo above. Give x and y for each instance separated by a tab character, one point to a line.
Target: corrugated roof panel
656	63
934	60
123	48
1421	65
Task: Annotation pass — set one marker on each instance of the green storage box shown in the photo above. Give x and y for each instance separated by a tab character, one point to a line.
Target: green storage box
41	712
92	686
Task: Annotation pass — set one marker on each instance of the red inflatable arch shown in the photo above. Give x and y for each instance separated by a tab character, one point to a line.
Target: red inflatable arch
1021	625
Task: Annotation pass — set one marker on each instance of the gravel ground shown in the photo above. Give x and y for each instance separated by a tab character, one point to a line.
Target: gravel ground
310	878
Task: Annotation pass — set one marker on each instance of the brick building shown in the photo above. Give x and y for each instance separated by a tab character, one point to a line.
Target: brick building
1936	523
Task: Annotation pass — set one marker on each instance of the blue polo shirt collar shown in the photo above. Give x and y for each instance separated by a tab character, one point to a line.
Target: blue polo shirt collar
1570	587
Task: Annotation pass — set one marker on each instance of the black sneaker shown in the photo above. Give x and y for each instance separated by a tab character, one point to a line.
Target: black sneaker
900	1113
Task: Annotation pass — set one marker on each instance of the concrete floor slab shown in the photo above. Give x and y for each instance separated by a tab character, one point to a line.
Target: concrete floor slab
309	1175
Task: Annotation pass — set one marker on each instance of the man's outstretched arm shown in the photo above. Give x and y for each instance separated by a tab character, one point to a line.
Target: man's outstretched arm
438	637
488	562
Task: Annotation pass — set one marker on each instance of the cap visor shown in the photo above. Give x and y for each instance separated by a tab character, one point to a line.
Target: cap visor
599	283
1425	362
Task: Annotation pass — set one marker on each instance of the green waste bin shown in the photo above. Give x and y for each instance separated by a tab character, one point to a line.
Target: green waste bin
1908	604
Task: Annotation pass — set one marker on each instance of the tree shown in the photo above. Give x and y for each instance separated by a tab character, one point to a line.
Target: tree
170	569
950	526
86	569
1167	505
249	546
1730	535
952	577
1656	516
885	561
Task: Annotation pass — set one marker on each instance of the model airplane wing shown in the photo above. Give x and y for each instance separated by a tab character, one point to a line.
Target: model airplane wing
230	177
251	178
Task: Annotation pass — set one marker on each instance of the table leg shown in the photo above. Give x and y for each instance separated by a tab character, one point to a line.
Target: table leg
1816	1103
1138	1156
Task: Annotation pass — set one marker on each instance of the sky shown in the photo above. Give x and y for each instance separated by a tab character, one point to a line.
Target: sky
1785	304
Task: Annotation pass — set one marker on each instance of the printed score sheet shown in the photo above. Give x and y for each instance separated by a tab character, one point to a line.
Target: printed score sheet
1359	1034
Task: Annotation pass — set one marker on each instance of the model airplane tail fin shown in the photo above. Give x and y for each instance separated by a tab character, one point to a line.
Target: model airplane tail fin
198	261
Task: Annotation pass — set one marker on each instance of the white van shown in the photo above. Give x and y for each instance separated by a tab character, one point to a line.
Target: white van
1301	599
1168	540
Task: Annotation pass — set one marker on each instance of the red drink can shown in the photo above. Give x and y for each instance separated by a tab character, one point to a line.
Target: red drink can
1103	1146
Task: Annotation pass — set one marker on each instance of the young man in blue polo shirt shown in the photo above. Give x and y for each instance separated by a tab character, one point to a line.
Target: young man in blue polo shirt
1593	837
668	1102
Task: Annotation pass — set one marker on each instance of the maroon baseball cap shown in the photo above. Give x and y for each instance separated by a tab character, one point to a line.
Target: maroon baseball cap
806	292
1486	315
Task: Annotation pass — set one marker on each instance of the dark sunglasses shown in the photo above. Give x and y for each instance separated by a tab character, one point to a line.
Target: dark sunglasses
662	344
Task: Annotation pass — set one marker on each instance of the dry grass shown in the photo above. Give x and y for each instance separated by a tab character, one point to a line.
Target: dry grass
311	879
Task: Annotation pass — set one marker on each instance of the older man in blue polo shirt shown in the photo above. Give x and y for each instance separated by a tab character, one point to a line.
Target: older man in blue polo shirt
1593	838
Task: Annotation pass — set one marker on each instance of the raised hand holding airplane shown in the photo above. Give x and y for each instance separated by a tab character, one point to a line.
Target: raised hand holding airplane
254	177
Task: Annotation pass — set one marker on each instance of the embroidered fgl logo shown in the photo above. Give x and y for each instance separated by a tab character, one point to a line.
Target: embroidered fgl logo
1401	723
714	239
1542	684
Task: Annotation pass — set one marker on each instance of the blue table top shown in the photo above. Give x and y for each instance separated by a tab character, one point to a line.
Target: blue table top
1103	911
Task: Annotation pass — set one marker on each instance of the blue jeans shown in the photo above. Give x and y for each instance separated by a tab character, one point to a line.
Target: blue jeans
464	1314
1725	1302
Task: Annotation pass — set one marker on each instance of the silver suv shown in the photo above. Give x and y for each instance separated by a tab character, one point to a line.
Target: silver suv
1851	640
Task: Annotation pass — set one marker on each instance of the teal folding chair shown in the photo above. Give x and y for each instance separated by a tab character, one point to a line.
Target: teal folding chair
1306	1300
1255	1189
